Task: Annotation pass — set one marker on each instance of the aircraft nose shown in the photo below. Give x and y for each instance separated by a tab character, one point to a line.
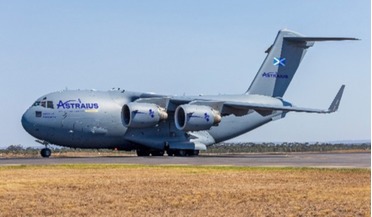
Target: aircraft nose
26	120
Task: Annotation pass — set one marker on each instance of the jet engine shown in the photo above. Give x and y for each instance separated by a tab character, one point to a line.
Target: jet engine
138	115
196	117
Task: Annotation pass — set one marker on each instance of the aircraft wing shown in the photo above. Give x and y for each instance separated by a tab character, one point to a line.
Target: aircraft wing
332	108
242	108
239	108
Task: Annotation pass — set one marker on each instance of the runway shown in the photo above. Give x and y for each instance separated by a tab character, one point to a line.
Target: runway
319	160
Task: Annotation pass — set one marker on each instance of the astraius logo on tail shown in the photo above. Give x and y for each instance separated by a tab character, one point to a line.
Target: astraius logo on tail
274	75
153	124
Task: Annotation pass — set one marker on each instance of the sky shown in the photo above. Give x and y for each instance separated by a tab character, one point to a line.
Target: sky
187	47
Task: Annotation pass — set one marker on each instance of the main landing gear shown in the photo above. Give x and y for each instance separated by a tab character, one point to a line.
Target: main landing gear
182	152
145	152
170	152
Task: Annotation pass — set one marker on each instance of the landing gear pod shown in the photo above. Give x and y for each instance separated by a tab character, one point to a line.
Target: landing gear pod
196	117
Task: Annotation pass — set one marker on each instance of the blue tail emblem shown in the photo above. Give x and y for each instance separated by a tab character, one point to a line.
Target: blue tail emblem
279	61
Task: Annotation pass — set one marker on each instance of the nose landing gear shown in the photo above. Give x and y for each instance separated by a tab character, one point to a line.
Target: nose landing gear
45	152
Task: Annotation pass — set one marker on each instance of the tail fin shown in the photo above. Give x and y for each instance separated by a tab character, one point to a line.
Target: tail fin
282	61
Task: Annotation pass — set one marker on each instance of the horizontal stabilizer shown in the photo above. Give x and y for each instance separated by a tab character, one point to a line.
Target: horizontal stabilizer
305	39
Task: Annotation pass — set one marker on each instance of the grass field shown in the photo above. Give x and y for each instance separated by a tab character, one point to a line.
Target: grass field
134	190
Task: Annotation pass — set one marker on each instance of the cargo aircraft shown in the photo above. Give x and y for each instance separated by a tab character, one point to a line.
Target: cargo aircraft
155	124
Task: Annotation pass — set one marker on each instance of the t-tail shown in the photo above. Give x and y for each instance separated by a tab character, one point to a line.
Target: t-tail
282	61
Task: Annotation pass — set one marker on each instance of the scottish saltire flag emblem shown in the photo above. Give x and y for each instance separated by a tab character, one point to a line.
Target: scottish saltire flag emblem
279	61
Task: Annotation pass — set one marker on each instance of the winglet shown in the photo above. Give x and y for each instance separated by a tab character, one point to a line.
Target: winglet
336	102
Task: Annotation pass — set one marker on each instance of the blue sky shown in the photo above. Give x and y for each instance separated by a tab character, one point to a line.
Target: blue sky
186	47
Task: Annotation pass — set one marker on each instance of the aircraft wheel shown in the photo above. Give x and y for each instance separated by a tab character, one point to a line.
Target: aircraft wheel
192	152
157	153
170	152
181	153
142	153
45	152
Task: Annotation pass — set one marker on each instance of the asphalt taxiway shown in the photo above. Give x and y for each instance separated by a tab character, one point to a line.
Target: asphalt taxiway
322	160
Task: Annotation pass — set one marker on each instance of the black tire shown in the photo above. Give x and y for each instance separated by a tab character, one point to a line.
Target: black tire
181	153
45	152
142	153
157	153
192	153
170	152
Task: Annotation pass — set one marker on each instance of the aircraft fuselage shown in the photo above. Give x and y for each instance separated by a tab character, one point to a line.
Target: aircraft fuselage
94	119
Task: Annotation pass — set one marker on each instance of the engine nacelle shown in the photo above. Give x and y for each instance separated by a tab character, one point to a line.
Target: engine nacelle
138	115
196	117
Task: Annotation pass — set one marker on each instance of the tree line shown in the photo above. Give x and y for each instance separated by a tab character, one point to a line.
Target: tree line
284	147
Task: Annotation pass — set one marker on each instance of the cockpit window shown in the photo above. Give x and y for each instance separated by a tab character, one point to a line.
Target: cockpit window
44	103
50	104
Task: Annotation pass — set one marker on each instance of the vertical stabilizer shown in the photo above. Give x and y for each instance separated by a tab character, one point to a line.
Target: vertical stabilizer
282	61
280	65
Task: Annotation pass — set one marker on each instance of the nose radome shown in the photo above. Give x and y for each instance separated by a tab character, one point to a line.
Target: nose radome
26	120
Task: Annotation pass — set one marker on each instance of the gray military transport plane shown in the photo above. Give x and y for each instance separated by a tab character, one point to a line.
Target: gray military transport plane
153	124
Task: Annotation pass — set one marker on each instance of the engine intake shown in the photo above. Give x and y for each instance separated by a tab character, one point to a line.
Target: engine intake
196	117
138	115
